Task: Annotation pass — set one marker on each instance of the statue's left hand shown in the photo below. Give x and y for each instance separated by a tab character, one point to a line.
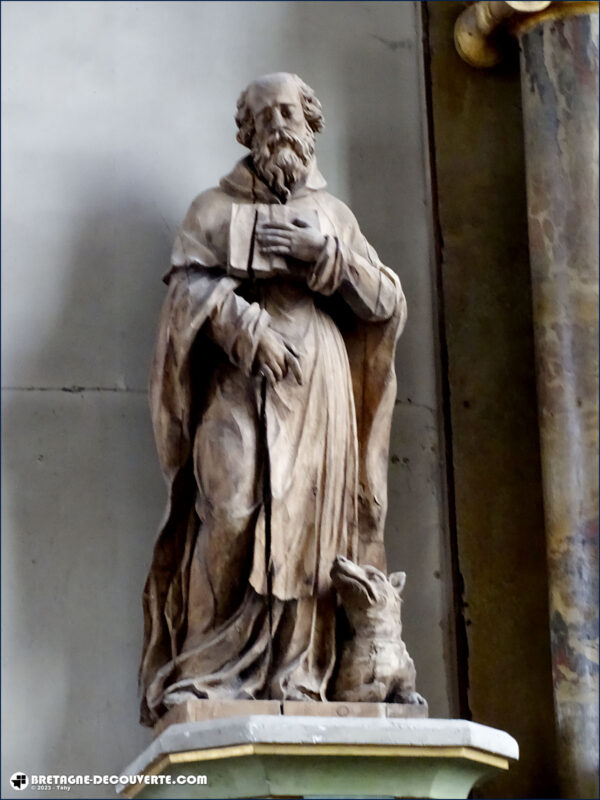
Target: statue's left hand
297	239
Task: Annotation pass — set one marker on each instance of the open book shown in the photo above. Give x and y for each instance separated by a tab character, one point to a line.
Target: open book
245	258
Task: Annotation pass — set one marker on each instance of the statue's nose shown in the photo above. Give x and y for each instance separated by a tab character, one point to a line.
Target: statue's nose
277	121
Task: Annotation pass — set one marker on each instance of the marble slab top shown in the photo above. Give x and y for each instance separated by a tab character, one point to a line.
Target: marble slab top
255	729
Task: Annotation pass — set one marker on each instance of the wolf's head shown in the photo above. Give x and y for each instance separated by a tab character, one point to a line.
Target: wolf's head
366	589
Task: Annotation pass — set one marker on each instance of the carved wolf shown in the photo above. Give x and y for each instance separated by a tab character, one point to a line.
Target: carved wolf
374	665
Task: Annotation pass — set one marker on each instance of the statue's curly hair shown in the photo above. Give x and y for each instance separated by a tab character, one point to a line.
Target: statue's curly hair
311	107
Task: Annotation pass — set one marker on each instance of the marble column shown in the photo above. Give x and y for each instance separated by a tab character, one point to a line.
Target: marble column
559	78
559	75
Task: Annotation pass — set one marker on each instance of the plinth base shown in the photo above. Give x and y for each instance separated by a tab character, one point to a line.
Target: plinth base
278	756
201	710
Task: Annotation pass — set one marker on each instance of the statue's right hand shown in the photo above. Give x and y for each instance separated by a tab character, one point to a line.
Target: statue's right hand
275	357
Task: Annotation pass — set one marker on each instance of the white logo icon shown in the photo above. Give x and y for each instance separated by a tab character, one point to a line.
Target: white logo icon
19	781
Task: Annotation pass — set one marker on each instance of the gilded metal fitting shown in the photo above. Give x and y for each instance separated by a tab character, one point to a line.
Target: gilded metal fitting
475	28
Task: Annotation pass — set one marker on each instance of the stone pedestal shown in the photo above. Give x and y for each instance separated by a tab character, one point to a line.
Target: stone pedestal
279	756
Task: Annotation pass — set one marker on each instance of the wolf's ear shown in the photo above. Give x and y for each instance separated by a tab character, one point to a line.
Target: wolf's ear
398	579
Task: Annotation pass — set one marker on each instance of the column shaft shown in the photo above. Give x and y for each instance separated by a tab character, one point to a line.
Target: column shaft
559	70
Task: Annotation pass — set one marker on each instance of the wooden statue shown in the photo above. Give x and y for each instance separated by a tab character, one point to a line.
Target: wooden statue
373	665
272	393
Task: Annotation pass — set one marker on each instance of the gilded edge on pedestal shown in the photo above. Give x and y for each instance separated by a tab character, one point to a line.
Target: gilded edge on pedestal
166	760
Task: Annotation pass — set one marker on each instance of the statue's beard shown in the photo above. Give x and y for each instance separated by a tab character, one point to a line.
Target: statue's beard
282	159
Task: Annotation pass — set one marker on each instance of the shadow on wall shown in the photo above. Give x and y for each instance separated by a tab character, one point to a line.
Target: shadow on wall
84	499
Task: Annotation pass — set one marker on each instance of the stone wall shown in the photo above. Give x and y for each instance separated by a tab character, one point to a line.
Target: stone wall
114	116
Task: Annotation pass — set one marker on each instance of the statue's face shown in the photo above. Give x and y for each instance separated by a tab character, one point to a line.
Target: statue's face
283	142
275	105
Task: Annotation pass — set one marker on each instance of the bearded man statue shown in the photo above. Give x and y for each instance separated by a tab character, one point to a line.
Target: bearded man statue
272	392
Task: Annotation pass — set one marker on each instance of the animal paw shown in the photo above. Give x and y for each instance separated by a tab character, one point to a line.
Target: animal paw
410	698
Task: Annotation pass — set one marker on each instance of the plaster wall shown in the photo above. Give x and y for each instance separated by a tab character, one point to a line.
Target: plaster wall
115	115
